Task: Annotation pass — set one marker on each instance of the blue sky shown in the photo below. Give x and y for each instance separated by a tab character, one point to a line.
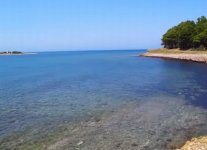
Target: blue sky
42	25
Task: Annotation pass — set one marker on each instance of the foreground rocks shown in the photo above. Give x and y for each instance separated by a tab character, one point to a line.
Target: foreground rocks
196	144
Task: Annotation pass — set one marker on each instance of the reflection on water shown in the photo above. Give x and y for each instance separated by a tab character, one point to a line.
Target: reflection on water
50	93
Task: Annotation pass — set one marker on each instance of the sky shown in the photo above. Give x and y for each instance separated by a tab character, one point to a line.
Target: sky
47	25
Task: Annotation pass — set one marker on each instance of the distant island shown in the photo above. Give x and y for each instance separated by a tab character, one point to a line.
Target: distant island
11	53
186	41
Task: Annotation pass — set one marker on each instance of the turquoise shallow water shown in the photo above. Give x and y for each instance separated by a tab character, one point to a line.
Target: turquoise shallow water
55	87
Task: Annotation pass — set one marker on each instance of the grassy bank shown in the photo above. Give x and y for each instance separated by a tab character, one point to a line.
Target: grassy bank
175	51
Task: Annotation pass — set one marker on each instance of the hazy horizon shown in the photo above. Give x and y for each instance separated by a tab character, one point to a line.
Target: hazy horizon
74	50
51	25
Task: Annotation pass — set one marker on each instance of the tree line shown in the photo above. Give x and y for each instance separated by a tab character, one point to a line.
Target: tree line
187	35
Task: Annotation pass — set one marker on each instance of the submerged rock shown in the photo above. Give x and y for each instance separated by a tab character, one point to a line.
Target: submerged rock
80	143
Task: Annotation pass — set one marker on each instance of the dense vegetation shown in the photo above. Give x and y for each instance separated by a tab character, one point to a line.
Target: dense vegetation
187	35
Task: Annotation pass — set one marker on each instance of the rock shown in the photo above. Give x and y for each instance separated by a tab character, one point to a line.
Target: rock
79	143
118	145
196	144
134	144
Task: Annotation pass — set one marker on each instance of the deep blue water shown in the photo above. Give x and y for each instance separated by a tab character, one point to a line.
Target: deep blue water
51	87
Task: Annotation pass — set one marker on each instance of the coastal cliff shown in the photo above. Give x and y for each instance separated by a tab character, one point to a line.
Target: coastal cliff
188	55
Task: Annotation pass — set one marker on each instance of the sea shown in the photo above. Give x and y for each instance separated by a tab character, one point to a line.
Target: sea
110	99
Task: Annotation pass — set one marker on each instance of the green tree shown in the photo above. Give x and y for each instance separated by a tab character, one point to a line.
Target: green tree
186	34
201	24
170	39
201	27
203	38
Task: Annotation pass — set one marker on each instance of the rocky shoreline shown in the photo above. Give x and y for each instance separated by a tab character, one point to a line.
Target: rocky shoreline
196	144
189	55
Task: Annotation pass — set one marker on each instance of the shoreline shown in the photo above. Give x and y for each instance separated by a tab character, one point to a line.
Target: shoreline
176	54
188	55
